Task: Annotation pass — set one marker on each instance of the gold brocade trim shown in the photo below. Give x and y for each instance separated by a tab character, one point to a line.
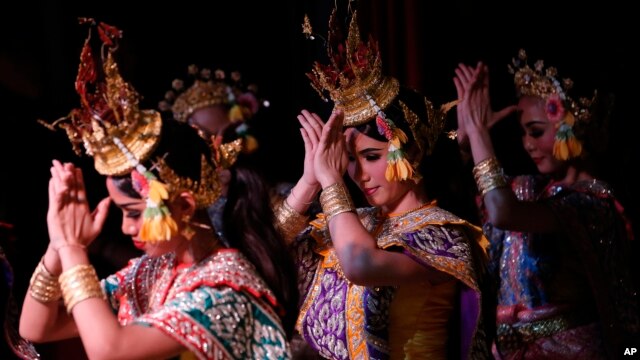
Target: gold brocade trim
308	301
355	323
391	230
389	233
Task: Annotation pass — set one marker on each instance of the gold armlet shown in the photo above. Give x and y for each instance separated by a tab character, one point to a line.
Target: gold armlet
44	286
489	175
78	284
288	221
335	199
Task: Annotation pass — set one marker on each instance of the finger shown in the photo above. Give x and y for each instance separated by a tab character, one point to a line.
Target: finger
57	171
335	124
466	70
307	142
316	122
81	193
462	77
99	215
312	133
53	194
69	178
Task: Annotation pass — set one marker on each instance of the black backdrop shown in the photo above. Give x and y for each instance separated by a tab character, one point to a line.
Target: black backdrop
40	43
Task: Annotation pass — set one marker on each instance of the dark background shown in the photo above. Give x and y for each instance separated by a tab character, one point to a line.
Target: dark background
421	44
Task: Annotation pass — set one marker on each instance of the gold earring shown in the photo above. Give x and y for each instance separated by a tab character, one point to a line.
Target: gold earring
187	231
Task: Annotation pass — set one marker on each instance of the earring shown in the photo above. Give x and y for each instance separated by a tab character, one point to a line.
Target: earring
187	231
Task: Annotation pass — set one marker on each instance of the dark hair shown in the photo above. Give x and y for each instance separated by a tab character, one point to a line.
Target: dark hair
249	225
248	218
416	103
442	169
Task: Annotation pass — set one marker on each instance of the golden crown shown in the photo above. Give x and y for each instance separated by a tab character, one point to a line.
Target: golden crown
114	130
109	109
205	192
207	90
543	83
356	84
354	78
560	108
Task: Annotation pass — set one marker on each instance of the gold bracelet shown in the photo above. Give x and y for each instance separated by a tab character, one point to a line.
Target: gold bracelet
489	175
44	286
78	284
335	199
289	222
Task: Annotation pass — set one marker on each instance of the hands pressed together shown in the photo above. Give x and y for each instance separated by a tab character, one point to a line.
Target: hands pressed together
326	155
474	108
69	219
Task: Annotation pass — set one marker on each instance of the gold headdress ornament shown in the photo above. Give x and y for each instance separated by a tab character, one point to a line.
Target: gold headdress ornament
120	136
560	109
357	86
217	88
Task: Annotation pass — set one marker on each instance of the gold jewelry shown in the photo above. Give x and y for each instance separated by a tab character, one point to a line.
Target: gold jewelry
335	199
78	284
44	286
489	175
79	246
289	222
187	231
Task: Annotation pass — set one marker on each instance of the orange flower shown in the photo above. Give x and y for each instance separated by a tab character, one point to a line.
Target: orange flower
158	228
157	191
399	170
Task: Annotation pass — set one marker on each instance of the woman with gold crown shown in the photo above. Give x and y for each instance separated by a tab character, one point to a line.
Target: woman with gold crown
219	106
400	279
189	296
558	240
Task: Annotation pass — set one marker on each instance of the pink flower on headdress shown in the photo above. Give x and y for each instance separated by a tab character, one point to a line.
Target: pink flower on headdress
249	101
554	108
384	128
140	183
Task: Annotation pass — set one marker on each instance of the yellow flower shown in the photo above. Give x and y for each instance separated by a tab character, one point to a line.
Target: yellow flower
399	170
158	228
157	191
235	114
575	147
399	134
250	144
561	150
569	119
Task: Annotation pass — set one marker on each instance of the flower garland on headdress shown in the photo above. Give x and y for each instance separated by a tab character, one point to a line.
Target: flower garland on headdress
116	132
561	110
206	91
355	82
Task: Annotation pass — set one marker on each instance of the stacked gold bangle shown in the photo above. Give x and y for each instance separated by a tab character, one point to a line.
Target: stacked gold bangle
489	175
44	286
80	283
335	199
288	221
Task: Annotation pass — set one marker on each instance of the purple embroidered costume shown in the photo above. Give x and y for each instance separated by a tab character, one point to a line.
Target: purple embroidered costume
219	308
564	295
342	320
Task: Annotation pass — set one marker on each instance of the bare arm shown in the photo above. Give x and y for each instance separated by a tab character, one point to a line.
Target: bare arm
71	228
504	210
360	258
46	321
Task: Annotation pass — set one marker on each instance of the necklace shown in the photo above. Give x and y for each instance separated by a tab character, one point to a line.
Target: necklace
419	207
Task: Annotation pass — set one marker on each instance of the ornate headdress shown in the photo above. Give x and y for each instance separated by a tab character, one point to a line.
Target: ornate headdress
561	109
357	86
209	89
120	136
